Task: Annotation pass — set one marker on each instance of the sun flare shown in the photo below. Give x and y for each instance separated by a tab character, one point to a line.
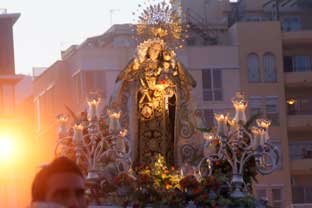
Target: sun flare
6	148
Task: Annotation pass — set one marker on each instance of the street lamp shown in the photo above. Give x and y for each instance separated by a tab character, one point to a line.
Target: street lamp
237	144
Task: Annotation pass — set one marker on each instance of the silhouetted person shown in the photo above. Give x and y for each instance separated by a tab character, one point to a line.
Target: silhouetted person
59	184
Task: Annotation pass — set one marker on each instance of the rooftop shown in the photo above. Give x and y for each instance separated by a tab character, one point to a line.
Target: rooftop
5	15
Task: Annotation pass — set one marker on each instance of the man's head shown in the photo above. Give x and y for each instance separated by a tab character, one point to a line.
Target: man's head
60	182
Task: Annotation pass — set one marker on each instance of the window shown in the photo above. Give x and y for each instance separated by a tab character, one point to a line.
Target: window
276	197
46	108
77	87
300	150
302	106
208	117
253	68
255	105
302	194
288	64
49	105
298	63
298	194
254	18
212	84
261	193
291	23
272	193
269	64
272	112
301	63
95	82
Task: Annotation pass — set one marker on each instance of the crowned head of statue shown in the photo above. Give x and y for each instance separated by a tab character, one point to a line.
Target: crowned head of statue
154	51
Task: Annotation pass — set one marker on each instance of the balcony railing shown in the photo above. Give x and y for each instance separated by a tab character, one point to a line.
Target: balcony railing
305	205
302	194
300	150
297	111
302	106
297	69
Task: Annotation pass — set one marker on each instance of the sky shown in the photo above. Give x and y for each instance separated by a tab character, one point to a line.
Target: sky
48	26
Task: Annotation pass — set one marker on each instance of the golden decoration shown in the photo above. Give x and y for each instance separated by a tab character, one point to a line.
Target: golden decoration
161	19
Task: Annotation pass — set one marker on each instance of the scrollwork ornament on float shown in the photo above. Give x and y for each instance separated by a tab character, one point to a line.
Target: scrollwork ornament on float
237	144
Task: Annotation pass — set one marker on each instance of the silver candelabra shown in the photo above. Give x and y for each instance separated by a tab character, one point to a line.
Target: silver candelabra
236	143
90	144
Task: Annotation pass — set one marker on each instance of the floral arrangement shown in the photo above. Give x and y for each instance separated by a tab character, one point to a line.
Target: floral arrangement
123	179
190	185
159	185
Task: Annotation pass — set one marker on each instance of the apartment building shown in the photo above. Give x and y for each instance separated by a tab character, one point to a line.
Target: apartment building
261	47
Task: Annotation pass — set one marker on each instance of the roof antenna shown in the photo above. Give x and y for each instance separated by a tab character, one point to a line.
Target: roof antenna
111	11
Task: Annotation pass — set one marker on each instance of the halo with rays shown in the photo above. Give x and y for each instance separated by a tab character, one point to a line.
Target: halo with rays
161	19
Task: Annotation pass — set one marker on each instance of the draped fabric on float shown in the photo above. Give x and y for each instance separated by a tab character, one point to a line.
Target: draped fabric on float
156	134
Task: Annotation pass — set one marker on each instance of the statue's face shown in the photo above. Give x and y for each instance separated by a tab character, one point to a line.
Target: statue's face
154	51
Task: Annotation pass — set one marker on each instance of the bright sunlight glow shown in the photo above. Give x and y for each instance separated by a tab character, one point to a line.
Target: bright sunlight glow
6	148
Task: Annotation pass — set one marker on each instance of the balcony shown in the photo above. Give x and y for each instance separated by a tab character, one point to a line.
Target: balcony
302	196
299	111
300	154
298	79
302	166
298	69
297	37
297	122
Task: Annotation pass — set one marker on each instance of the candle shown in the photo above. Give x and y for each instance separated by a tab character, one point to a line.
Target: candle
62	119
257	136
240	105
222	123
209	164
78	134
208	136
264	124
114	125
209	145
92	110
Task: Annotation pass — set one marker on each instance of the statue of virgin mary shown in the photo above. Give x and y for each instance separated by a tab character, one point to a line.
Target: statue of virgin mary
153	92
